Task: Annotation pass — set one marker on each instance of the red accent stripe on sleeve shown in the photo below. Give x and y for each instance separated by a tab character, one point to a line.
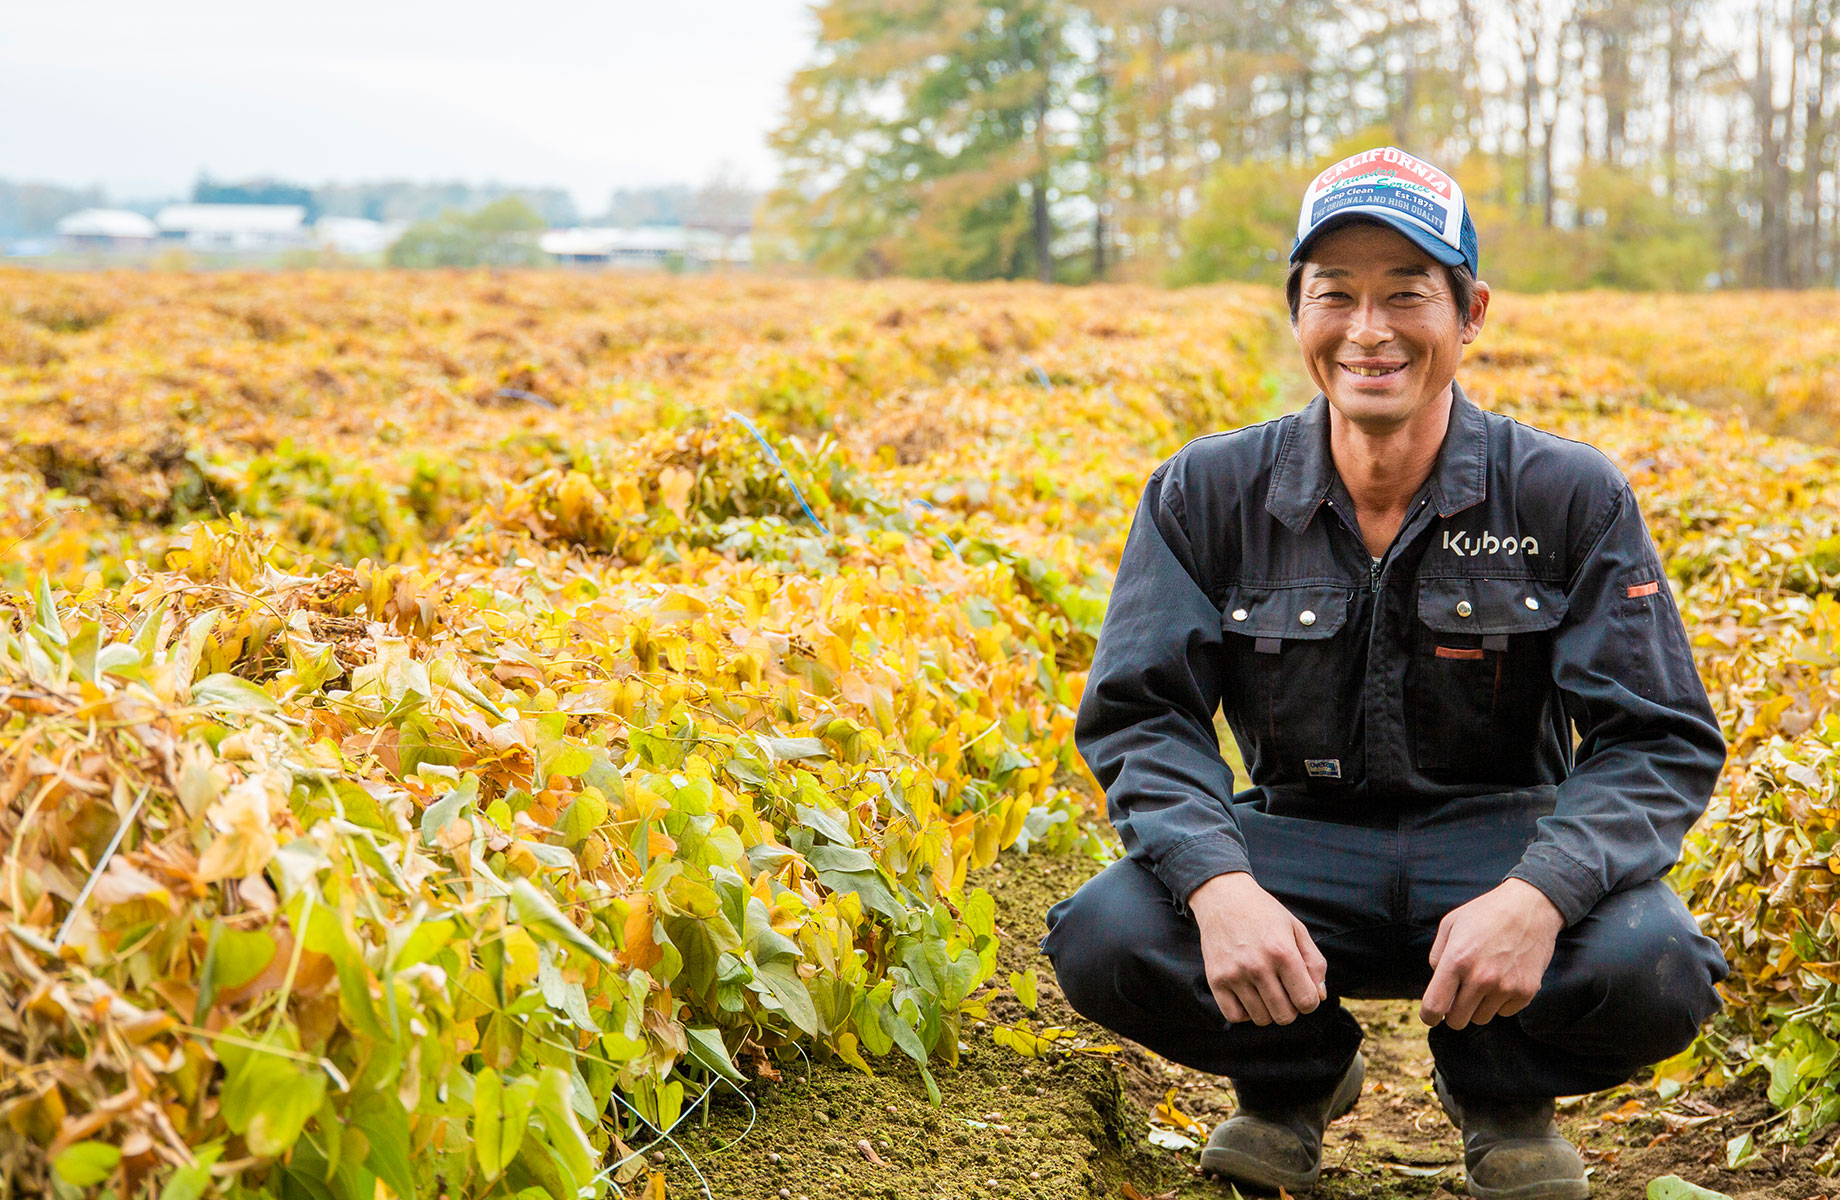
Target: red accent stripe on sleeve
1638	590
1458	652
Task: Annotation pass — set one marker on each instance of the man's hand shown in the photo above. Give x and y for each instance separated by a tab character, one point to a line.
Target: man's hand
1261	964
1489	956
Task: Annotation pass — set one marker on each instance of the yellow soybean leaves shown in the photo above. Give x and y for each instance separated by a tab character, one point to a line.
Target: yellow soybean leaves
1775	355
366	414
1749	530
489	781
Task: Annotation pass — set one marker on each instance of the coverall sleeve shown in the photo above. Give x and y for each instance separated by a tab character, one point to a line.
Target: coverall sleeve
1146	721
1650	750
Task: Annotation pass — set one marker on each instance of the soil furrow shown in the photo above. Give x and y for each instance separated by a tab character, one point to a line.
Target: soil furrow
1077	1124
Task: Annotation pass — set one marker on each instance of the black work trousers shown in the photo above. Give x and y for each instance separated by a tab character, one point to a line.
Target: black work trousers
1629	985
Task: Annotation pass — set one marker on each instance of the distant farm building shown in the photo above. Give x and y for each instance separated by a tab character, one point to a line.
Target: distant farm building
648	246
107	229
355	236
235	227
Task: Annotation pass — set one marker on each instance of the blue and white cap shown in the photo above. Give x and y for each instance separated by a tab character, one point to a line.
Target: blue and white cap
1395	188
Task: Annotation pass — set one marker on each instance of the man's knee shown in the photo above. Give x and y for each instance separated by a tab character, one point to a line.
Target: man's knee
1107	940
1650	973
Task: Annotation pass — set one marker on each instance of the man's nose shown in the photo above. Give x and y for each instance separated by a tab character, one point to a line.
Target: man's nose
1368	325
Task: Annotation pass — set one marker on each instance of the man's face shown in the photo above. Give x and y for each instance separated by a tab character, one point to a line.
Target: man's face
1378	327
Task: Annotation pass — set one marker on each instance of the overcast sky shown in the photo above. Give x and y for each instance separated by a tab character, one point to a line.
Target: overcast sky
591	95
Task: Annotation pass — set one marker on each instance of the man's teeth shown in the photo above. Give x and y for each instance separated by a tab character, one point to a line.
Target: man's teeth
1372	371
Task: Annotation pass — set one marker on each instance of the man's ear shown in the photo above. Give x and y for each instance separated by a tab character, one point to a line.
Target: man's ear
1478	310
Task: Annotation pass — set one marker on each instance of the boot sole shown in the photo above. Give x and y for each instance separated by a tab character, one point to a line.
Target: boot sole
1545	1189
1242	1169
1553	1189
1252	1173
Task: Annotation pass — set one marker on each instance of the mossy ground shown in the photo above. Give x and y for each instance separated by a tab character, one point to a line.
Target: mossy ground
1076	1125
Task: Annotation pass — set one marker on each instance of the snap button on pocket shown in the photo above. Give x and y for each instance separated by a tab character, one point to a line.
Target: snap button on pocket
1299	613
1487	605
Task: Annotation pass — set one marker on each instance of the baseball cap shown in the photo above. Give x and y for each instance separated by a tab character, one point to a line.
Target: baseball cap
1399	190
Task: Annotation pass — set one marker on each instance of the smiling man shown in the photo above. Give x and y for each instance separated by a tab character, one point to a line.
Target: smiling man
1405	607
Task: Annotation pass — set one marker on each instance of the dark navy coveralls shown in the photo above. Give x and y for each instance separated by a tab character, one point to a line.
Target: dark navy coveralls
1408	729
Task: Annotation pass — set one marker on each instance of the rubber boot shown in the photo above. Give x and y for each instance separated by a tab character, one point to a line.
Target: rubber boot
1512	1149
1280	1146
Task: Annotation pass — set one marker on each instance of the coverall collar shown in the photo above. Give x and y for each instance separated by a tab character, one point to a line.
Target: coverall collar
1305	469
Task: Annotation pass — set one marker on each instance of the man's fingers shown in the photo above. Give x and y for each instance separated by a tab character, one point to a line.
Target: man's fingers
1276	996
1439	995
1230	1007
1313	960
1302	986
1261	964
1463	1008
1511	1006
1489	1008
1254	1004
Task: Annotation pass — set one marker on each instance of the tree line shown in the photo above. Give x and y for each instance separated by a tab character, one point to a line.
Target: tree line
1632	143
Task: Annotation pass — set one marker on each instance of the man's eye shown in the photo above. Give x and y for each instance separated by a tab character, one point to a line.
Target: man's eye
1332	295
1408	296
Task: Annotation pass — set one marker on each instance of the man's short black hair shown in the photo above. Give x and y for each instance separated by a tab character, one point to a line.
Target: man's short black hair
1462	279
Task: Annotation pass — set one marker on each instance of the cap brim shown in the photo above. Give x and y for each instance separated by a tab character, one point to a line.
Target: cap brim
1436	247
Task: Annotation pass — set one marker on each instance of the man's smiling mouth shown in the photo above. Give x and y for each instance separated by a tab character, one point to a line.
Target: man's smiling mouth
1373	372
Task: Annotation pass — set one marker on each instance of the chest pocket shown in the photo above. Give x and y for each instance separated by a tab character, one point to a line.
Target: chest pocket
1480	676
1296	706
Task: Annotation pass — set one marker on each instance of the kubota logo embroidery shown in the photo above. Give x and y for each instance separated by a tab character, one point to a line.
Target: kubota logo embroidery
1462	542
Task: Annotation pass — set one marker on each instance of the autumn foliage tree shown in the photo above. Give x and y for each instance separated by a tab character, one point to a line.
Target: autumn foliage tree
502	234
1622	143
919	141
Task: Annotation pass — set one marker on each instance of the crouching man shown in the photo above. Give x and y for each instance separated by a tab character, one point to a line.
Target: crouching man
1404	606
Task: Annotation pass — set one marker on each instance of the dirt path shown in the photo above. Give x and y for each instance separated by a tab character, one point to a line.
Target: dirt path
1076	1125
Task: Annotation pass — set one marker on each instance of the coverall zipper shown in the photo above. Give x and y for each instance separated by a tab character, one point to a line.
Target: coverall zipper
1373	564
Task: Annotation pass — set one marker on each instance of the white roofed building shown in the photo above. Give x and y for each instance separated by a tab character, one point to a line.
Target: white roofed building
235	227
356	236
107	228
646	246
